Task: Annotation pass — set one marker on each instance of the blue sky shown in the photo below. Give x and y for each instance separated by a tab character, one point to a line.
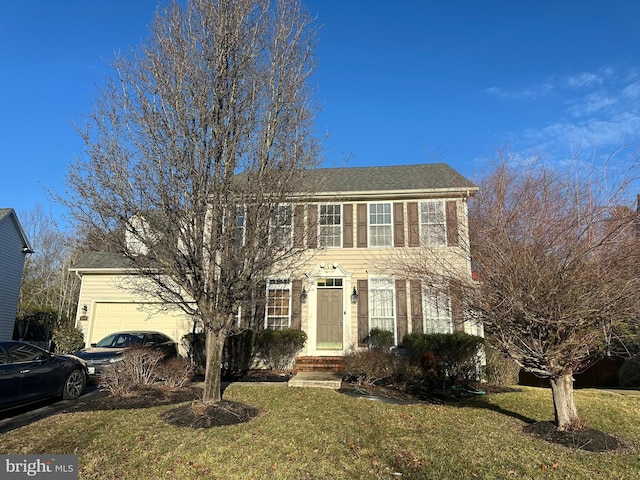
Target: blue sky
398	82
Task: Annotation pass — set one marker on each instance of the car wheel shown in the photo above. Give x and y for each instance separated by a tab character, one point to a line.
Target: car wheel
73	385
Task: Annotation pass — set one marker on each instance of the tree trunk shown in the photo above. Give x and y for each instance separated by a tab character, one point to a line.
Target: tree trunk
565	412
212	376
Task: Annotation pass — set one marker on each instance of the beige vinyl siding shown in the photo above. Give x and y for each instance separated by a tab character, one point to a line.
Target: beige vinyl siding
111	307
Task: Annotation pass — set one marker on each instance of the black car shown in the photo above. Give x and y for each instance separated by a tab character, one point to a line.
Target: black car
110	348
29	373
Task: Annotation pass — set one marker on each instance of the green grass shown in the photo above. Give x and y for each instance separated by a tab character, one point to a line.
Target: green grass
321	434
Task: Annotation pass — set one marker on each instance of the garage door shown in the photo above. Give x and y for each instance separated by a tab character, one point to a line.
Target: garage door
113	317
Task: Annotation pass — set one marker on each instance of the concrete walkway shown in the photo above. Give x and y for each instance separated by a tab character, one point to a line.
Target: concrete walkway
622	391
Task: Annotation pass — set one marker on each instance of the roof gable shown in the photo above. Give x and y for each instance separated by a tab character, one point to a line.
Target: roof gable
9	215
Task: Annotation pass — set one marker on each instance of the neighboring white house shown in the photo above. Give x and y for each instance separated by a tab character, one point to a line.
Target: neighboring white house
362	217
14	246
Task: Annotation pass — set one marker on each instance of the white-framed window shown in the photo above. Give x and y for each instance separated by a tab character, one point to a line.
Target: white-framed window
436	309
381	304
433	223
278	311
238	221
380	225
282	224
330	225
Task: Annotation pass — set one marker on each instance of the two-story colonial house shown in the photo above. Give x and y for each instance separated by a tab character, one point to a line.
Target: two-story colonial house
363	217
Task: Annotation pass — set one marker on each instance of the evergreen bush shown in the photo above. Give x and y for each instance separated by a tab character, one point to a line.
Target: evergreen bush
453	357
278	348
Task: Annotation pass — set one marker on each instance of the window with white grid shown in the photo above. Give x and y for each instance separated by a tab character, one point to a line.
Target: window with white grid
380	231
330	220
278	314
433	224
381	305
436	309
282	224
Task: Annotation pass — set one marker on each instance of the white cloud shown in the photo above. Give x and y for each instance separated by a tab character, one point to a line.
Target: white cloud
588	111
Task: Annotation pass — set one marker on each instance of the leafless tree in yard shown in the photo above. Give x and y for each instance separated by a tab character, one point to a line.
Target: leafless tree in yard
46	282
194	151
556	258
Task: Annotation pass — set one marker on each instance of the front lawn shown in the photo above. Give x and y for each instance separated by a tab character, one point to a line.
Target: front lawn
322	434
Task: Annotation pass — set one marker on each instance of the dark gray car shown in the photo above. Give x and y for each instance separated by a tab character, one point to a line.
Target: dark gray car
110	348
29	374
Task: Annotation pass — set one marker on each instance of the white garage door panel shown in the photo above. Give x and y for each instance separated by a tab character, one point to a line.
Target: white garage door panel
113	317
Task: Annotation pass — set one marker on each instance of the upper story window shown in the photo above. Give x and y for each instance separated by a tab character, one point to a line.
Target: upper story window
436	309
380	225
278	311
282	224
330	220
433	224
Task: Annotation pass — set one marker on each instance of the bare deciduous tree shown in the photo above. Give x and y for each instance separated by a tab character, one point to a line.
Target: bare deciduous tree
555	256
46	282
194	149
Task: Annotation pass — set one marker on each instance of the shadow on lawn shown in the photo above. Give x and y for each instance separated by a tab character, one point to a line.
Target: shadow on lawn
481	403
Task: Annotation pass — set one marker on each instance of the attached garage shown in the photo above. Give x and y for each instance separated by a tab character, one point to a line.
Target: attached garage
110	317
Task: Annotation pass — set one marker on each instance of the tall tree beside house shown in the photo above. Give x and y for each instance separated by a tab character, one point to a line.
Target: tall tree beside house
47	284
555	261
558	265
193	151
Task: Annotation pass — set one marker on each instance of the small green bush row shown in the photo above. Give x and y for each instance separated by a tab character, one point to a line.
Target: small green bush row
434	360
275	348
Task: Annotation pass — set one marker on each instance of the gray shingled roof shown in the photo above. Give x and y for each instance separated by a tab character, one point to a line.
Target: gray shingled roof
93	260
424	176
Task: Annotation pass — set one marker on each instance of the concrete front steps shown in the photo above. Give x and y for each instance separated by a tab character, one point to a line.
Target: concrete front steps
330	380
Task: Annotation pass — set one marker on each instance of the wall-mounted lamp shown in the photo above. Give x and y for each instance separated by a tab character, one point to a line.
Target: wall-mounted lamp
354	296
303	295
84	310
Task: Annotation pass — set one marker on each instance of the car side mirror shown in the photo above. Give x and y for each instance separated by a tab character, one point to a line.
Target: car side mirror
94	344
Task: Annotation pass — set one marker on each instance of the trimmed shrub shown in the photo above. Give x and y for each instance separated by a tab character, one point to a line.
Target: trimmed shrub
175	372
375	367
278	348
195	345
629	373
449	357
237	357
238	354
67	338
499	369
136	369
380	340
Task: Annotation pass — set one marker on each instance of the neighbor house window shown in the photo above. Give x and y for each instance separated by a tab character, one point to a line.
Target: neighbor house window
436	309
278	314
330	220
282	224
433	224
380	232
381	307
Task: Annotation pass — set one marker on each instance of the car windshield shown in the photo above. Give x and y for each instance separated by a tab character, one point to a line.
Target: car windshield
121	340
